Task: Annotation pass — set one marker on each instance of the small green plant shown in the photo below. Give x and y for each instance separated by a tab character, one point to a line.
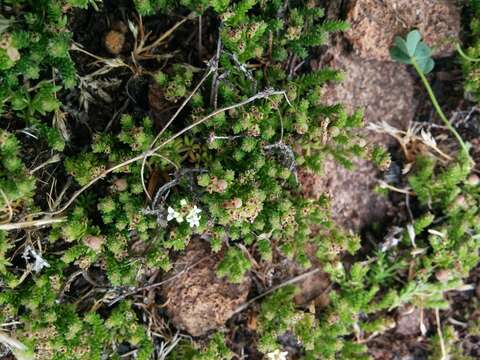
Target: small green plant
412	50
33	42
17	186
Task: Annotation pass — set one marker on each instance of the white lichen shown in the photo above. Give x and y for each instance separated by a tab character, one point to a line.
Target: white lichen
39	262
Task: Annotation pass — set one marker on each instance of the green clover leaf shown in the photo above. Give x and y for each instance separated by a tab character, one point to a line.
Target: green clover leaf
413	50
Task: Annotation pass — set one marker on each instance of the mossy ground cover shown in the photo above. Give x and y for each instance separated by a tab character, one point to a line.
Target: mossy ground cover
191	119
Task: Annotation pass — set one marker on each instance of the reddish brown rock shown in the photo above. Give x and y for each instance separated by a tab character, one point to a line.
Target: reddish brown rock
353	201
376	23
441	28
311	289
409	321
384	90
197	301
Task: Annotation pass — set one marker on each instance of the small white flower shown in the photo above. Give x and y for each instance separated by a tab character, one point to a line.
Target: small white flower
172	214
183	203
277	355
193	217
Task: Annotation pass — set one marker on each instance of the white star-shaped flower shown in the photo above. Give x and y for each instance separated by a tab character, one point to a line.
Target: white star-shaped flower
277	355
183	203
193	217
172	214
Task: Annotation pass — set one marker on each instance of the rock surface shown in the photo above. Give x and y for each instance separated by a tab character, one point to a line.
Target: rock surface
409	322
376	23
198	301
384	90
354	203
314	288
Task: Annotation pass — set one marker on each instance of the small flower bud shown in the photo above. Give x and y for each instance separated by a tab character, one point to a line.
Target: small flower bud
120	184
222	185
94	242
460	201
473	180
442	275
114	41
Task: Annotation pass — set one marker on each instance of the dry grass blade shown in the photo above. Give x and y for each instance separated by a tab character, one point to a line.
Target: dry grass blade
31	224
404	137
143	52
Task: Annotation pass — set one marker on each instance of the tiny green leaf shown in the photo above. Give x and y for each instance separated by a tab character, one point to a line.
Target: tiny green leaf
413	50
422	51
398	55
413	39
401	45
426	65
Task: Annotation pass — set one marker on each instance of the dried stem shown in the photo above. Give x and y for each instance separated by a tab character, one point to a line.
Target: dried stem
167	186
30	224
440	335
261	95
152	286
167	34
9	206
200	37
384	185
215	82
440	112
275	288
182	106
